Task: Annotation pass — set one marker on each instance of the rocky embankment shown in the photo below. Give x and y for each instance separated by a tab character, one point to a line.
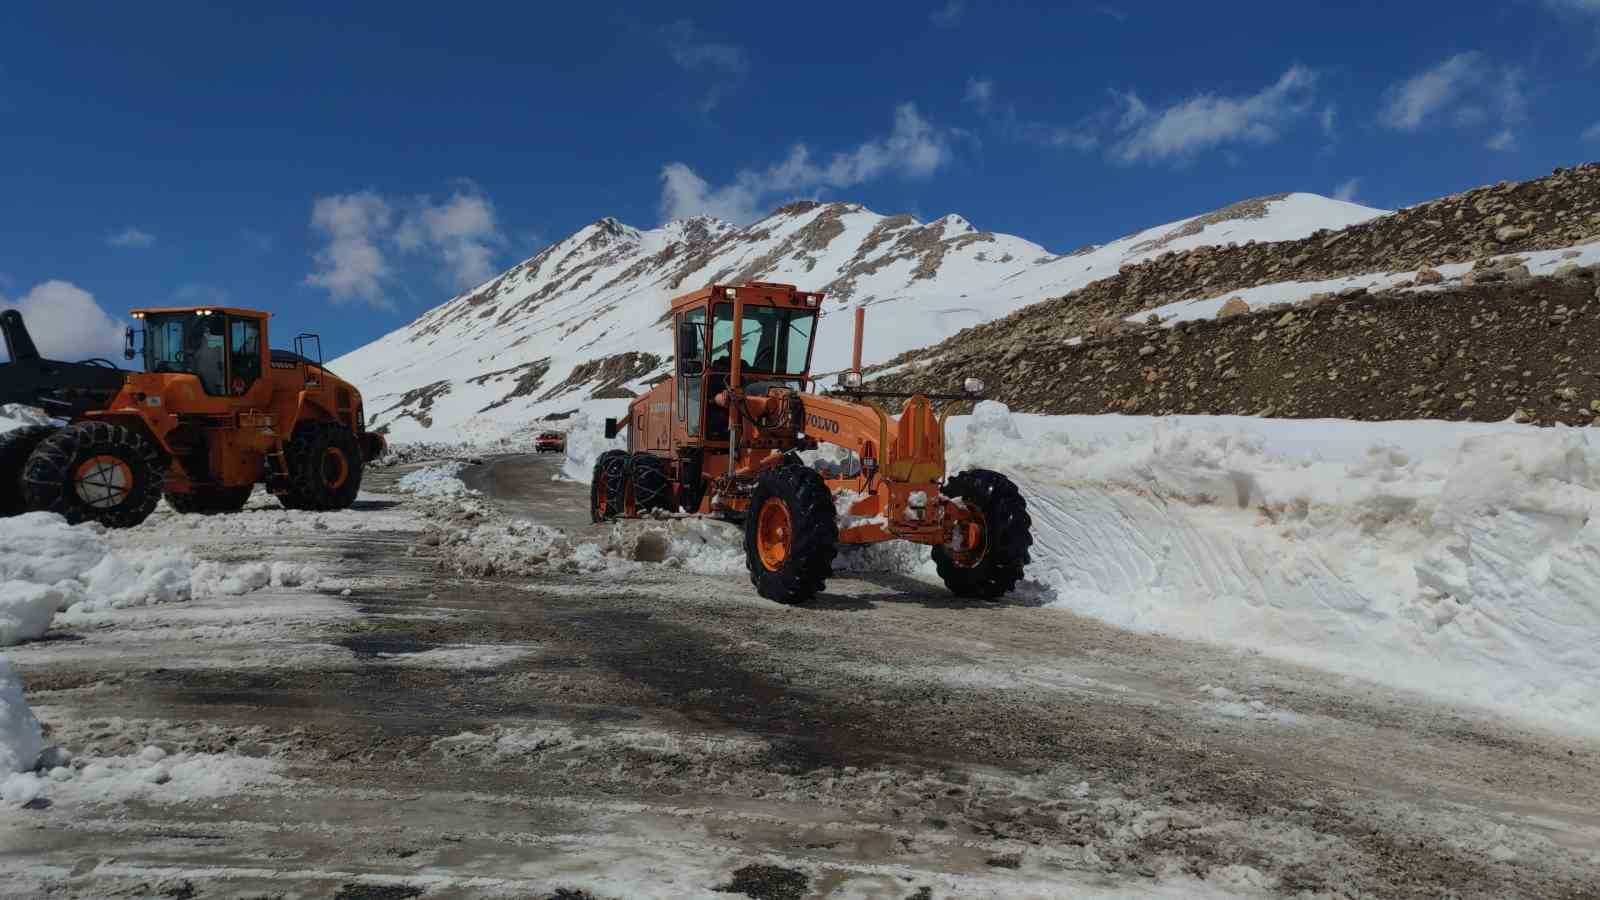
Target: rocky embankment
1493	344
1487	351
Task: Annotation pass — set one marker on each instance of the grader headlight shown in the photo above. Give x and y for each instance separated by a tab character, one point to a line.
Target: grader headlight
973	385
850	379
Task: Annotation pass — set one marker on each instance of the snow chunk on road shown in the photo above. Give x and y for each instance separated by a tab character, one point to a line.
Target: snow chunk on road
443	480
21	739
586	440
1457	559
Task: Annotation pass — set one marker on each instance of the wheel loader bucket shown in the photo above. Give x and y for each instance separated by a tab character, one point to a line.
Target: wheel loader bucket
918	444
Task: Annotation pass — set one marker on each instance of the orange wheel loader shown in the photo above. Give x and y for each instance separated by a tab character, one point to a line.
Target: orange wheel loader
214	413
725	437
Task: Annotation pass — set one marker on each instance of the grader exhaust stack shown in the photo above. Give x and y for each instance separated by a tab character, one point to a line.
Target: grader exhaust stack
724	437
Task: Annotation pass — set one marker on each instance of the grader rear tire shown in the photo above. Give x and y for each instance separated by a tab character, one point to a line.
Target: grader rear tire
608	486
325	467
95	472
16	446
991	569
790	535
210	501
652	489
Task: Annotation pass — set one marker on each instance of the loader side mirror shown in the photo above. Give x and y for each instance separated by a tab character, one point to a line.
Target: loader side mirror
127	347
693	368
611	429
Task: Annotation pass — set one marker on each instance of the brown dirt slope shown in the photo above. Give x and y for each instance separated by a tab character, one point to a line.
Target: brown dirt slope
1484	352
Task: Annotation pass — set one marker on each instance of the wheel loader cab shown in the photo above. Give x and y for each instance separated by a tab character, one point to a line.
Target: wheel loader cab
221	348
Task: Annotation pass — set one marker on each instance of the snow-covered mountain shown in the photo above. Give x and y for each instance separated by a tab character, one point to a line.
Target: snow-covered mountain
584	320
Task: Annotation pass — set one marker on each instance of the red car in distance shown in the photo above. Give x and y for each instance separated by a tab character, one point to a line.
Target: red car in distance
550	442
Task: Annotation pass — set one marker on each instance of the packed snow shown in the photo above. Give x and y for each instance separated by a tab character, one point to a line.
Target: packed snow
21	739
1458	559
604	291
1290	293
443	480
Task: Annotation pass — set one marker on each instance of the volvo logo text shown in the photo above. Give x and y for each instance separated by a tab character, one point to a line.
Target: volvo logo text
816	421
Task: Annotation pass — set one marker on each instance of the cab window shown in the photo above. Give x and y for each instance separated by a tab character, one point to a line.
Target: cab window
244	344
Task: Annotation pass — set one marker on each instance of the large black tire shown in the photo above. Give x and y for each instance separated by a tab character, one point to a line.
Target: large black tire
992	570
790	535
16	446
608	485
95	472
325	466
652	488
210	501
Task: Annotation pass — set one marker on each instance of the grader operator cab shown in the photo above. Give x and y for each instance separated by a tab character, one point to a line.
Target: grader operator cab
214	413
724	437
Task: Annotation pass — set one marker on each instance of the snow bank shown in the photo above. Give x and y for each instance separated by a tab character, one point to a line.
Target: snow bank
1460	559
15	416
48	566
586	440
443	480
151	775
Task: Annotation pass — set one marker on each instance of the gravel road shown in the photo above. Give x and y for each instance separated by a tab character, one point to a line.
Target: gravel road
630	729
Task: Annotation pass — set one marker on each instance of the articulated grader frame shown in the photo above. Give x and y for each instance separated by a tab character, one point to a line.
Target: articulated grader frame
723	437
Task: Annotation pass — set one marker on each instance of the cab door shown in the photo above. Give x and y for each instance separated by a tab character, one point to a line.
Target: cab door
691	374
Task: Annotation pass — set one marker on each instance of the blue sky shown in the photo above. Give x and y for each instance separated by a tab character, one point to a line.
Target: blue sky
348	169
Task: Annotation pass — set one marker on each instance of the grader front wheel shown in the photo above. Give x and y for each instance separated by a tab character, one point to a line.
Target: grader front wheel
790	535
608	486
994	546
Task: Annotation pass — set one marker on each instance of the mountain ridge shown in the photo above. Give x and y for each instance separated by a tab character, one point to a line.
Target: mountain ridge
578	322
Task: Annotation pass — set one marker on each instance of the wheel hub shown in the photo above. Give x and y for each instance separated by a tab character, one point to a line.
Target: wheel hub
774	534
335	468
103	482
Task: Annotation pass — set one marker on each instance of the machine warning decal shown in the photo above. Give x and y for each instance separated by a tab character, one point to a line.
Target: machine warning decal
816	421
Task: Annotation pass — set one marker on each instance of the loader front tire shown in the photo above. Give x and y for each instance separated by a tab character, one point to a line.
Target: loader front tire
992	565
210	501
325	466
95	472
790	535
652	489
608	486
16	446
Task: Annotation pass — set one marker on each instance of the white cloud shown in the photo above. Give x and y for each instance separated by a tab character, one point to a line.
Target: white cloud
1592	133
693	51
132	238
915	149
690	48
1413	101
352	266
1468	89
460	233
949	15
462	230
1209	120
1328	118
66	322
1347	190
980	92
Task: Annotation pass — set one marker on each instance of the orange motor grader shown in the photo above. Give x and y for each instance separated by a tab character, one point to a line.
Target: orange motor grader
214	413
724	437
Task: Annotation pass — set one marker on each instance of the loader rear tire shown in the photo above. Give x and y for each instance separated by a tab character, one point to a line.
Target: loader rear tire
608	486
16	446
652	489
790	535
325	466
991	569
95	472
210	501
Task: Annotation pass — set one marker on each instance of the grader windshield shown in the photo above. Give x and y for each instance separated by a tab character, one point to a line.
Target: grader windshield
774	340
